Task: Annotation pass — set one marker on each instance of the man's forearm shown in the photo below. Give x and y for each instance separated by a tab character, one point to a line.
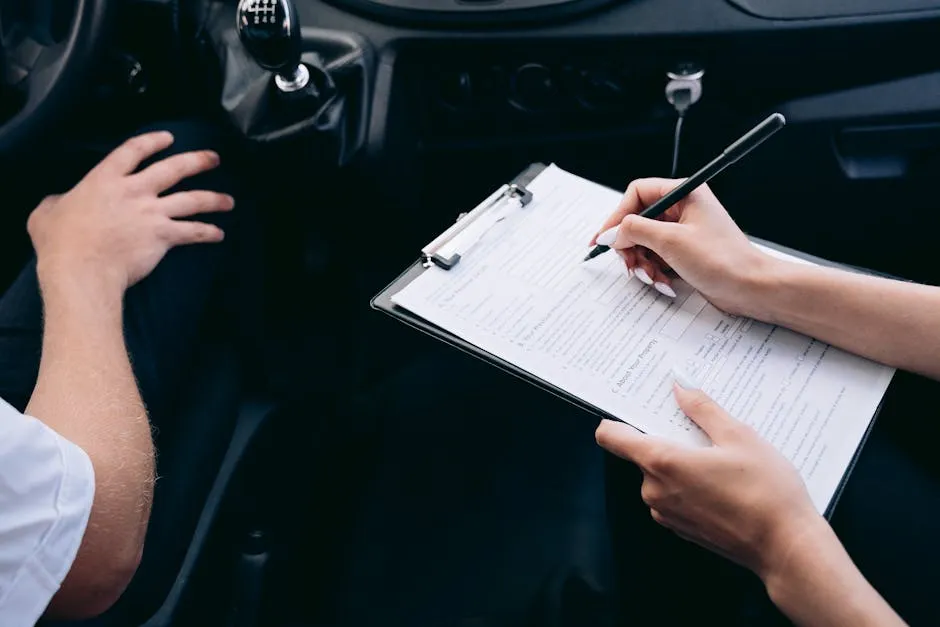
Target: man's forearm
87	392
891	322
816	584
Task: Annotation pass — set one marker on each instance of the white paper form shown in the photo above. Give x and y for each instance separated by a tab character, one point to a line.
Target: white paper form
523	294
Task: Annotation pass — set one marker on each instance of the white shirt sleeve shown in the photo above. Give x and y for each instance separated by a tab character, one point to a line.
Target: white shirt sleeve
47	485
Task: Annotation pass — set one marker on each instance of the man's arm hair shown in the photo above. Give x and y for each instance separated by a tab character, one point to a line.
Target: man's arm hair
86	391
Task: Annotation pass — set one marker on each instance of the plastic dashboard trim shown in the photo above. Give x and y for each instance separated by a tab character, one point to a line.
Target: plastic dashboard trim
494	14
811	10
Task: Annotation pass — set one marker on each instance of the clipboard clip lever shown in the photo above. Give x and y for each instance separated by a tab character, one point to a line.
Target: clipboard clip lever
444	252
519	193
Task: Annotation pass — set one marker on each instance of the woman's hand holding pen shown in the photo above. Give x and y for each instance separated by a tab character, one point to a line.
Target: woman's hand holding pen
696	239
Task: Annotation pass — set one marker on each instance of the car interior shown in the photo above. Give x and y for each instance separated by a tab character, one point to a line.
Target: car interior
365	128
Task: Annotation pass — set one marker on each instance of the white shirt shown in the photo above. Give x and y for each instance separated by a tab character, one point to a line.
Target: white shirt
46	489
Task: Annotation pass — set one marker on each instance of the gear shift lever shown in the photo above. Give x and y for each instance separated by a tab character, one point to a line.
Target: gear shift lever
270	31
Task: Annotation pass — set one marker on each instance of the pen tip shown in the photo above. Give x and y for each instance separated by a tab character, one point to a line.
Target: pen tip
596	252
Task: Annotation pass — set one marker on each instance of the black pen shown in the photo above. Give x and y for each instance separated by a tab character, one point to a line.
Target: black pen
748	142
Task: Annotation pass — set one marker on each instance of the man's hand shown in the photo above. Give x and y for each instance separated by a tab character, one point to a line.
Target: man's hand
92	243
115	226
740	497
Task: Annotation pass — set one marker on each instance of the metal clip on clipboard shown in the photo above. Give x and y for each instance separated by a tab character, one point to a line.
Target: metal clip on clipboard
445	250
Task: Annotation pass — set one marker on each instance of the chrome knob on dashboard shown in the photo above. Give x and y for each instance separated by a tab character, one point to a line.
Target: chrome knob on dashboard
270	31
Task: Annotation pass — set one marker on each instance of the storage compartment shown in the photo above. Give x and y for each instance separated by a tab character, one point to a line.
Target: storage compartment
890	151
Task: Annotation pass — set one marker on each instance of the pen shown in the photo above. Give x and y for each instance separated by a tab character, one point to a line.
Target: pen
748	142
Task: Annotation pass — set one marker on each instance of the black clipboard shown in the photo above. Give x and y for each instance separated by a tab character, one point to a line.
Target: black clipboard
517	189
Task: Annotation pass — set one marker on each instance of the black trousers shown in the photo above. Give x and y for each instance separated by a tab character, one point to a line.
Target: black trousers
166	315
491	505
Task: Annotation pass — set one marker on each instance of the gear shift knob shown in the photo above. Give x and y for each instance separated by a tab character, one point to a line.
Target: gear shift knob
270	31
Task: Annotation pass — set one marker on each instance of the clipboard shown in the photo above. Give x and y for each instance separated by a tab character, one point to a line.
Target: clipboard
446	250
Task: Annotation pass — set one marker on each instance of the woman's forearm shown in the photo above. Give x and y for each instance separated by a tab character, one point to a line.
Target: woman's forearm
889	321
816	584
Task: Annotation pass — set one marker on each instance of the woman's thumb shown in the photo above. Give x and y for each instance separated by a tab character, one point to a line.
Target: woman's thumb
652	234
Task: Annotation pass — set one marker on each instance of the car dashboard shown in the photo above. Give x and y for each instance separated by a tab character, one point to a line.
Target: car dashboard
463	93
513	68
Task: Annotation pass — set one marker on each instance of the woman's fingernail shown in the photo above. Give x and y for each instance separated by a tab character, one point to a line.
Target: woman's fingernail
684	379
608	237
643	276
664	289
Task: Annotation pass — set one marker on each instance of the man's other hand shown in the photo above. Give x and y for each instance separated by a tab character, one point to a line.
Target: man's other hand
116	225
